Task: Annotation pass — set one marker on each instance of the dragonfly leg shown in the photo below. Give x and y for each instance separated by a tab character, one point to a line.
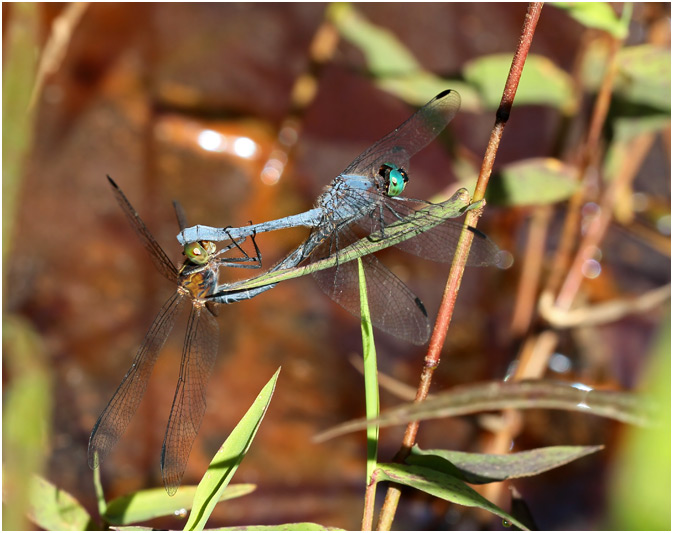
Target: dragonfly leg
238	261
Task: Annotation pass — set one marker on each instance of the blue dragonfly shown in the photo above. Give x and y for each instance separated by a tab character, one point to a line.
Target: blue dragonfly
195	281
363	200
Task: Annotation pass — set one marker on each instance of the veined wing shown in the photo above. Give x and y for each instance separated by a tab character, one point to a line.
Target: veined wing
395	309
436	244
159	258
410	137
189	404
116	417
180	214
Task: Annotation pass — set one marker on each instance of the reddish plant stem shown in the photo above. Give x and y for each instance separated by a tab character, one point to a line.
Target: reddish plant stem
591	150
368	515
458	266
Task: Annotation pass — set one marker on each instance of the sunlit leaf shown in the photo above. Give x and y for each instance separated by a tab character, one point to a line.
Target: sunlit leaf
391	64
640	496
370	373
147	504
477	468
384	53
54	509
441	485
643	75
21	40
527	394
542	82
536	181
26	410
228	457
597	15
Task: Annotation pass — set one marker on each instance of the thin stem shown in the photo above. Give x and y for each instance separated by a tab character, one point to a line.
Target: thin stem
531	272
589	155
458	266
370	500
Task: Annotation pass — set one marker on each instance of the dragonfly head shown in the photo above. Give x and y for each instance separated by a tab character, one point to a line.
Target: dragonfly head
200	252
394	178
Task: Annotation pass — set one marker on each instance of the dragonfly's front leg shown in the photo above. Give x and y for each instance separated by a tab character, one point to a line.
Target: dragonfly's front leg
238	262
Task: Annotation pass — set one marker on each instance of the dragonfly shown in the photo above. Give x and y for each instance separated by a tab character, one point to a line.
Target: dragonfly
364	199
195	280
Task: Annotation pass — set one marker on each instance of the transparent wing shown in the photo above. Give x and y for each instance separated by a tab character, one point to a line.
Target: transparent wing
436	244
116	417
410	137
159	258
189	404
180	214
395	309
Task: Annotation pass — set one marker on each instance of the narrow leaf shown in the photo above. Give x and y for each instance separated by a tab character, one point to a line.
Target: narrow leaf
147	504
441	485
229	456
391	64
527	394
640	487
54	509
26	410
22	38
479	468
298	526
370	374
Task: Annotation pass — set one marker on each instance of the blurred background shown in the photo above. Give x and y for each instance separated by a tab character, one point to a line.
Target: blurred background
245	112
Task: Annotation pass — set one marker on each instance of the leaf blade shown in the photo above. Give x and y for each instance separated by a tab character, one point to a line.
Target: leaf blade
478	468
228	458
442	486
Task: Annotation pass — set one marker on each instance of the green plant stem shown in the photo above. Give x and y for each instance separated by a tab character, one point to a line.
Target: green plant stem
458	266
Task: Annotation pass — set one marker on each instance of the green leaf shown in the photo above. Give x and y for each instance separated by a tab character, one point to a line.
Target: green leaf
229	456
626	129
21	40
298	526
542	82
54	509
370	374
536	181
441	485
645	76
640	496
26	413
393	66
422	220
527	394
598	15
148	504
384	53
477	468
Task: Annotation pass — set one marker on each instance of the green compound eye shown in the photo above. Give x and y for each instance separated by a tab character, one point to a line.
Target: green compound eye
397	181
196	253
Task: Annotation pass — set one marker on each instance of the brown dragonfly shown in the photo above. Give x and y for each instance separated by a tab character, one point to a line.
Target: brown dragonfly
196	279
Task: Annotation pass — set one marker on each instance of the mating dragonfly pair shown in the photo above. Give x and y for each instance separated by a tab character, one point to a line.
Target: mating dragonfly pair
363	200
